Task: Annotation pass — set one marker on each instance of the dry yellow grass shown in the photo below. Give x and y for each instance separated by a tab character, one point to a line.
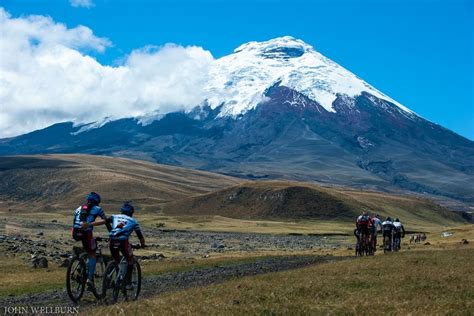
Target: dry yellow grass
17	278
427	282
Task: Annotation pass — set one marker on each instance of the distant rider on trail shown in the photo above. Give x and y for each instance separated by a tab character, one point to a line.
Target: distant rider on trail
375	227
362	226
388	231
399	232
84	215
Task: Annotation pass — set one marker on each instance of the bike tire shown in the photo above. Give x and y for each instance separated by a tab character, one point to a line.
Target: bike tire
79	279
138	271
110	277
98	278
116	290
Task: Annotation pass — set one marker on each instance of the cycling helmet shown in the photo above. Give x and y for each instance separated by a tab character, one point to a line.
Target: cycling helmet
389	219
127	208
397	220
377	215
93	197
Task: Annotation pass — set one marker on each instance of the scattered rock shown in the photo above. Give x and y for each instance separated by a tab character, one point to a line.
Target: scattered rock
39	262
465	242
236	302
155	256
427	243
40	234
65	263
205	256
54	221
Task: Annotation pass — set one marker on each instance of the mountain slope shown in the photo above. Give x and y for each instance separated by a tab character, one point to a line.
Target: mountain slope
280	110
49	182
52	183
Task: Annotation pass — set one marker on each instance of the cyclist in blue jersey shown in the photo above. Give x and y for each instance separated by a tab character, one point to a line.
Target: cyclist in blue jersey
82	231
122	227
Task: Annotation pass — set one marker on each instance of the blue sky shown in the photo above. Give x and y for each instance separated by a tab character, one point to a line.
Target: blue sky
418	52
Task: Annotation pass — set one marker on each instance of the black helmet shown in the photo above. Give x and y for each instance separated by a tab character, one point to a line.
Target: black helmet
127	208
93	197
397	220
389	219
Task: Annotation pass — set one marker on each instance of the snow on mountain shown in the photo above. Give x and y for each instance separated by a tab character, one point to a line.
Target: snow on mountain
84	127
239	80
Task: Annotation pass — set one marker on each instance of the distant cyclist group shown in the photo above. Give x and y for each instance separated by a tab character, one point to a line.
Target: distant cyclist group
367	228
82	271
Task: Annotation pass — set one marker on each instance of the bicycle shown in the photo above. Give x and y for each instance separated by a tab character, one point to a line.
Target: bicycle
115	275
363	246
77	271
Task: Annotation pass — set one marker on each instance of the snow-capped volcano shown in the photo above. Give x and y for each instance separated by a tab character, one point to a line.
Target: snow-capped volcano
281	110
239	81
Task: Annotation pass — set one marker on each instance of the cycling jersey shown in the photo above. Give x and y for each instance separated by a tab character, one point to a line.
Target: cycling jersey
91	216
387	228
399	229
376	225
123	226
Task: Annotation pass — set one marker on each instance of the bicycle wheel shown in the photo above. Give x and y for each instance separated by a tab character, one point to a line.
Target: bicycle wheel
98	277
76	277
136	279
110	278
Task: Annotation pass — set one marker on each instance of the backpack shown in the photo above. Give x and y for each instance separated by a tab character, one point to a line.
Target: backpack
363	220
77	233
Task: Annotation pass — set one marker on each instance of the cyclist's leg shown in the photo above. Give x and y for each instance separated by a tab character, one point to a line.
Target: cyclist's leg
88	242
127	252
356	234
374	239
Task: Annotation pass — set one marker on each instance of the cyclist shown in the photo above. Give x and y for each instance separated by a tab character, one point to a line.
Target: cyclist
362	226
376	226
122	226
388	230
82	230
399	232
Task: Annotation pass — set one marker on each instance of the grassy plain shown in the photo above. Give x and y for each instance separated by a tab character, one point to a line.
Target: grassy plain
433	279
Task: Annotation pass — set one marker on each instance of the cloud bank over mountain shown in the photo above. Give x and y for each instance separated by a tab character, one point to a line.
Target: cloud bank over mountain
47	75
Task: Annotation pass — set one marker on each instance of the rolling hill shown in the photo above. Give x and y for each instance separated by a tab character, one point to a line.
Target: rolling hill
49	182
303	201
59	182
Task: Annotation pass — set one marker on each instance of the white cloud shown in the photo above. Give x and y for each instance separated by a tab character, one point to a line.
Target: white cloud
45	76
81	3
